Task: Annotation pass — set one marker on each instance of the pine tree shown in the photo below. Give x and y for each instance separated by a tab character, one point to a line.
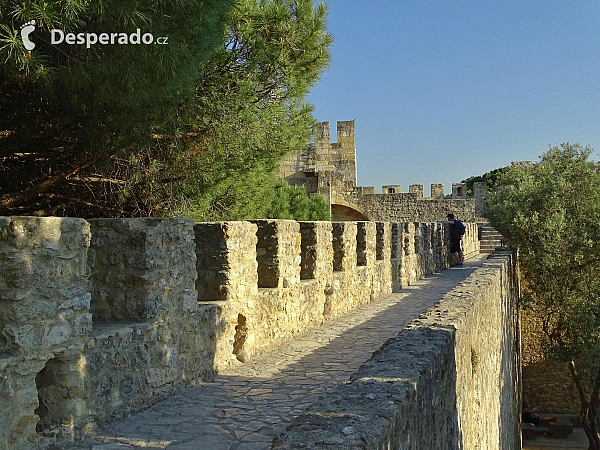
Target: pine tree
319	209
71	113
191	129
250	109
113	93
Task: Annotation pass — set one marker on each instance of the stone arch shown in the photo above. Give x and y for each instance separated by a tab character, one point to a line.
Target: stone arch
341	213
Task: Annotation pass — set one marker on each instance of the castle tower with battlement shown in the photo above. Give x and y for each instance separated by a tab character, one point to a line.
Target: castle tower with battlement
323	156
330	169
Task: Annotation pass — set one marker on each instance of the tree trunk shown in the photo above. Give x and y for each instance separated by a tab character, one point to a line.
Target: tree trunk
594	423
589	416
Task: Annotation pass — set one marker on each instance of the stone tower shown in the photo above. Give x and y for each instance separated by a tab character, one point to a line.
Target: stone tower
323	156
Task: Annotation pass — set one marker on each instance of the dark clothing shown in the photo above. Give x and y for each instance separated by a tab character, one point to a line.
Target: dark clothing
531	418
454	245
454	233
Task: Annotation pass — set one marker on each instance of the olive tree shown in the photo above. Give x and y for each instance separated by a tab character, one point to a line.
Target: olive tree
550	212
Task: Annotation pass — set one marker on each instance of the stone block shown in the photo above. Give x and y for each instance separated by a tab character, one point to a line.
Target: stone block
391	189
323	133
562	427
365	243
383	241
437	191
416	189
44	276
459	190
365	190
345	129
481	194
141	268
344	246
316	250
226	260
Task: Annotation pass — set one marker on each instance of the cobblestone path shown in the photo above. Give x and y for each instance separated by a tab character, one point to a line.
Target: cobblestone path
245	408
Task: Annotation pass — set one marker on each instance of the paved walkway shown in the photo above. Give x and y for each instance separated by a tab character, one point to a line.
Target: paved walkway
246	408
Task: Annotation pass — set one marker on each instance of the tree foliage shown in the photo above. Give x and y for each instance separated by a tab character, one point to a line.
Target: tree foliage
551	213
293	203
489	177
225	119
113	94
275	51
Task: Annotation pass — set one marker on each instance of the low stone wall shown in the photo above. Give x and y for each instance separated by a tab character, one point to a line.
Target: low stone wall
403	206
449	380
101	318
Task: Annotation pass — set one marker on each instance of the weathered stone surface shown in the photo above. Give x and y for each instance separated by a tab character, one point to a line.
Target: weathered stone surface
226	260
34	249
140	267
161	303
44	311
449	380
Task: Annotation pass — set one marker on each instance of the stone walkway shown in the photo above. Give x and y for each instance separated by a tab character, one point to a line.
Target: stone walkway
246	408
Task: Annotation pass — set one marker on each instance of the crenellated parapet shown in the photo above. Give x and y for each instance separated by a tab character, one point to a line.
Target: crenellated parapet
350	202
99	318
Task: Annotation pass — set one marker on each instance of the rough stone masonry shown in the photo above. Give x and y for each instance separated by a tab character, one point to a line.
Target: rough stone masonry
450	380
330	169
100	318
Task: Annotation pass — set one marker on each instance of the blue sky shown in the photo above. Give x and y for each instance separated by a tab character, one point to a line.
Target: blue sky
442	90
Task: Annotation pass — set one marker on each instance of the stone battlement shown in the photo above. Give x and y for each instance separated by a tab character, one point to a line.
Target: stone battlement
351	202
323	156
330	169
449	380
459	190
100	318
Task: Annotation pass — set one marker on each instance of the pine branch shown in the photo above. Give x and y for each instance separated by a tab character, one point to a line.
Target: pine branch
8	200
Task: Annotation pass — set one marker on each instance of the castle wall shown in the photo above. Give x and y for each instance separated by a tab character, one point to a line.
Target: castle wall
101	318
449	380
404	207
330	169
392	207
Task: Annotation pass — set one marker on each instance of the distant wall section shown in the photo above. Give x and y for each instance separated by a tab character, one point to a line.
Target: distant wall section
330	169
394	205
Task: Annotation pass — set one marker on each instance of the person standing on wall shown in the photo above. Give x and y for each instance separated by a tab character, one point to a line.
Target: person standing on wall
457	229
